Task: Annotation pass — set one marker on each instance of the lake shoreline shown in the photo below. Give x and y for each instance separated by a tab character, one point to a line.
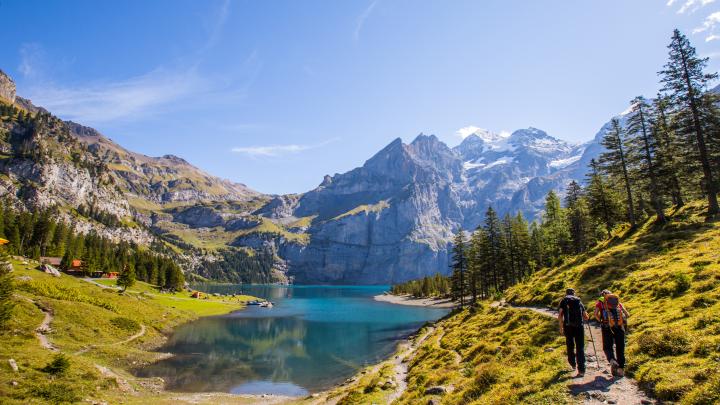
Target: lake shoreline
416	302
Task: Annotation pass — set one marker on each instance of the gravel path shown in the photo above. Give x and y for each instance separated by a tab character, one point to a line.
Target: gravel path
598	386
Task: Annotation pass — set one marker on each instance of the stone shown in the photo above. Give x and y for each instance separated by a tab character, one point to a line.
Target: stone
549	349
433	402
13	365
436	390
14	383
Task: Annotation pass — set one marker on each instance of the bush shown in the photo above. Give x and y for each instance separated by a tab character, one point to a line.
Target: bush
59	364
57	393
126	324
666	342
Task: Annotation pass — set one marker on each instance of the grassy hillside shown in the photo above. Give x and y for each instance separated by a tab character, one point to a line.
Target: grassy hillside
669	279
487	355
101	332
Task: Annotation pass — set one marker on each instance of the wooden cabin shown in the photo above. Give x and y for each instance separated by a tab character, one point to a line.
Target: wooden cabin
196	294
111	274
53	261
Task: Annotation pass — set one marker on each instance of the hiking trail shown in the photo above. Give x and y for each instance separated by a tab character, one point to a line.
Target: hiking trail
598	386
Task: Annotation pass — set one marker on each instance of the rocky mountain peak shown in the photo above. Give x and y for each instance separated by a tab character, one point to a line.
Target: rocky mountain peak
7	87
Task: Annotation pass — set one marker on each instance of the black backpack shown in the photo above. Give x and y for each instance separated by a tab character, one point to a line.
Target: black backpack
573	311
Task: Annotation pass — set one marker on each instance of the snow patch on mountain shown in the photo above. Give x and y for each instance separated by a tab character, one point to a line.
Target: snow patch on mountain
561	163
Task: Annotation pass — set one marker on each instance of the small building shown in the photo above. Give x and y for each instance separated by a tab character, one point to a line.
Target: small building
196	294
111	274
53	261
76	264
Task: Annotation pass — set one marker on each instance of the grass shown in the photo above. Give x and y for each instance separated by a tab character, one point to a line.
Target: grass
486	355
365	208
89	327
669	279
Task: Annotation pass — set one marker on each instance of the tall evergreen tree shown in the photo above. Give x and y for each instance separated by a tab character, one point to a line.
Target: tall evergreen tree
555	228
685	83
579	220
492	252
614	162
603	202
668	150
642	147
127	277
459	267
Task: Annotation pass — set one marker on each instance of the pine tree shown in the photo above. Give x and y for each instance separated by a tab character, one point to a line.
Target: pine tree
6	289
579	220
537	247
492	253
459	267
685	82
604	207
668	150
474	263
614	162
642	147
521	236
127	277
555	228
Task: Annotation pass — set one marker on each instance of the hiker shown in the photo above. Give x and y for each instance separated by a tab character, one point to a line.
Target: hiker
571	316
612	316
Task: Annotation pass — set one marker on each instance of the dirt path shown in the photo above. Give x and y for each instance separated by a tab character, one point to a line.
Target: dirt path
400	363
44	328
140	334
599	386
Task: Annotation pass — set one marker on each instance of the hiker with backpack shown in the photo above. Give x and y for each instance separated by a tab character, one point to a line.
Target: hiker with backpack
571	316
612	316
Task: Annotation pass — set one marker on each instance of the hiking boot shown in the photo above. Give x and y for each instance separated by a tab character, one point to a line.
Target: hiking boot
580	374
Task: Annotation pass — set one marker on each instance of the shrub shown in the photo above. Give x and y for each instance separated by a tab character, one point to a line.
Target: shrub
56	393
59	364
665	342
126	324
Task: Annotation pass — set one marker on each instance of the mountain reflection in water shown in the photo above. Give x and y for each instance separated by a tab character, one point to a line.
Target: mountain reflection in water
314	337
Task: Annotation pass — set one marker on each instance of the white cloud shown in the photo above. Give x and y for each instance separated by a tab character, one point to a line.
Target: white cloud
670	3
709	23
464	132
105	100
712	37
113	100
278	150
692	5
362	18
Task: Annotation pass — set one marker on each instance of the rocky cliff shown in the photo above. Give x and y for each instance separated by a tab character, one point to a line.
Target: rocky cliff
7	88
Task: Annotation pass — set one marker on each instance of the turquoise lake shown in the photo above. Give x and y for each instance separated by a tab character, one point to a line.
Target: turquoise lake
313	338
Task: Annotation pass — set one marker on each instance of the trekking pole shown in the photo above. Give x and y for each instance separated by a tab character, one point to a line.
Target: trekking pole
593	345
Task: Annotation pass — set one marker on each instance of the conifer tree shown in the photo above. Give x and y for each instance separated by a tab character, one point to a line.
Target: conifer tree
642	147
614	162
685	83
459	267
555	228
492	253
668	150
475	265
127	277
521	237
537	247
603	202
579	220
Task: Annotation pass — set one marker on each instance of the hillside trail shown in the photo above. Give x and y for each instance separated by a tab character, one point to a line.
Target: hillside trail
598	386
44	328
138	335
400	363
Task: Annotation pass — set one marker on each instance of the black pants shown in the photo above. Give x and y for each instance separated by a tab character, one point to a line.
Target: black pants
575	340
614	336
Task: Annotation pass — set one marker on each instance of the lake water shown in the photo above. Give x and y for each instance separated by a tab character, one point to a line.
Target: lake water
313	338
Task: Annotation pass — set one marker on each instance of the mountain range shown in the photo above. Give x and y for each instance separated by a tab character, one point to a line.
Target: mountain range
390	220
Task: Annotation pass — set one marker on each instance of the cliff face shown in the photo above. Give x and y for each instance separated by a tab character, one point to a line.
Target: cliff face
7	88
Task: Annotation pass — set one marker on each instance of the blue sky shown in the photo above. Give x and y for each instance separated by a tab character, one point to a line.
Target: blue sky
275	94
